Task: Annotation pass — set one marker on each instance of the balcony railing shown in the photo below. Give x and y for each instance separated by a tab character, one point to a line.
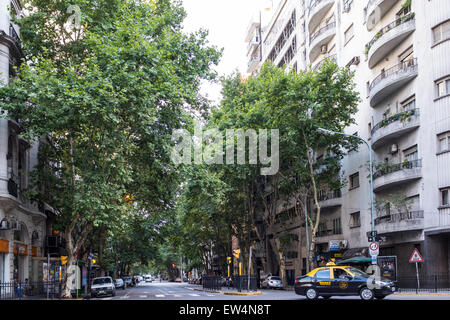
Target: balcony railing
321	31
13	34
387	168
388	28
401	67
329	195
399	116
397	217
313	5
321	63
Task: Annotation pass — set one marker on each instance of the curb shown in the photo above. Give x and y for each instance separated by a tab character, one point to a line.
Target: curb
243	293
420	294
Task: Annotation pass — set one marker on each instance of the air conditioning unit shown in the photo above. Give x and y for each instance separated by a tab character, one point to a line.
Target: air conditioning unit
393	148
324	49
343	244
4	225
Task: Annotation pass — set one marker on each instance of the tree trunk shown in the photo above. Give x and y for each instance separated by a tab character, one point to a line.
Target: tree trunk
281	261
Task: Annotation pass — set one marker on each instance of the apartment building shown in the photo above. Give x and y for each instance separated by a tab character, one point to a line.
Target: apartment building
398	51
22	224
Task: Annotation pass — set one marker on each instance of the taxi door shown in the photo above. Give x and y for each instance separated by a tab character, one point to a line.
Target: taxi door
323	280
341	282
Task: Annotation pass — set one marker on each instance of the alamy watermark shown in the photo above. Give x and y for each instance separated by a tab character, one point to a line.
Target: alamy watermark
207	146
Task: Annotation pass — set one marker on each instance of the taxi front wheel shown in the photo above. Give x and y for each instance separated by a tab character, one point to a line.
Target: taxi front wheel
311	294
366	294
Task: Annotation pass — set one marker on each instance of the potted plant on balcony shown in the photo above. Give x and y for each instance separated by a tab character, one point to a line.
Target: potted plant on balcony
406	164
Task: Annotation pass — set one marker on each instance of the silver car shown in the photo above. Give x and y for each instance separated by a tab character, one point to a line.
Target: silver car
272	282
103	286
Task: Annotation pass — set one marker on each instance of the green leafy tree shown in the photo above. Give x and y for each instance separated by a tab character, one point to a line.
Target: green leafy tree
103	100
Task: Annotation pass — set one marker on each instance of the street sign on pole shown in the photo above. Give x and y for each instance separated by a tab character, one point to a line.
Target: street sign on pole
416	257
374	249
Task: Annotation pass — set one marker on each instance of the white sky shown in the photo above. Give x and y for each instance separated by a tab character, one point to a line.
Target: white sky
227	22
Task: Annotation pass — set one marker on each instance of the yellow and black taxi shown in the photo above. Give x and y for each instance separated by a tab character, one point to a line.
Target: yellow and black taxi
335	280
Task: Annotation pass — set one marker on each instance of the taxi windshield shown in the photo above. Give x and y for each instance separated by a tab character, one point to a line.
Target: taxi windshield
357	272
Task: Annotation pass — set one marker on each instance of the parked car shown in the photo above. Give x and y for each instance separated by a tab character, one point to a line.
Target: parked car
119	283
272	282
148	278
178	280
342	281
128	281
103	286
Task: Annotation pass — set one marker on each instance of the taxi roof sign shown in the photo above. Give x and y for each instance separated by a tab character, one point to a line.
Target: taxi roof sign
415	257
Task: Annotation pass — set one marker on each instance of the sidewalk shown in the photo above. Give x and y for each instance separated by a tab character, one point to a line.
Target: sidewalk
227	291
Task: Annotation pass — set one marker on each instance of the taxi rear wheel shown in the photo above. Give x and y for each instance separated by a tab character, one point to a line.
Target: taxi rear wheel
311	294
366	294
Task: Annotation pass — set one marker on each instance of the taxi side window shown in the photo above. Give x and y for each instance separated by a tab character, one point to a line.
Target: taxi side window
340	273
323	274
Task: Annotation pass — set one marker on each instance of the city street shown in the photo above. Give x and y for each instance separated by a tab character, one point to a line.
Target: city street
184	291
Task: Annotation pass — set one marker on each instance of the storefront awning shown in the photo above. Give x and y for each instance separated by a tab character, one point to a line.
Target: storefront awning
355	252
355	260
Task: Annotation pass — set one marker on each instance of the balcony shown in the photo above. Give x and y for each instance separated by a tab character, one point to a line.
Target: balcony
12	40
253	64
253	44
389	38
320	38
390	175
375	11
391	80
395	127
330	199
322	62
398	222
317	10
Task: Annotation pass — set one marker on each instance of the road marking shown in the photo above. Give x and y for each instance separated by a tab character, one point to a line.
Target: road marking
110	298
177	295
142	296
194	295
159	295
210	295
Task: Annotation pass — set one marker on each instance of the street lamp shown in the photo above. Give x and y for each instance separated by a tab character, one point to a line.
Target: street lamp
329	132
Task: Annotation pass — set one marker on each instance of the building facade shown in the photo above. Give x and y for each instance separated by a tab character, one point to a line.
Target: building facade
23	224
398	51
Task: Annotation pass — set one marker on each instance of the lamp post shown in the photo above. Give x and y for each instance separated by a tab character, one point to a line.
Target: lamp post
329	132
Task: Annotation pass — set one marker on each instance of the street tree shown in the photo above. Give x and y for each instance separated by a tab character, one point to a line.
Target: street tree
102	92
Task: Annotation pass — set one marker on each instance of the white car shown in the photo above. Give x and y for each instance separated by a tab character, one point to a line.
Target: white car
103	286
148	278
272	282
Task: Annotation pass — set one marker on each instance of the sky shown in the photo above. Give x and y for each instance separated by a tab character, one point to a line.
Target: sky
227	22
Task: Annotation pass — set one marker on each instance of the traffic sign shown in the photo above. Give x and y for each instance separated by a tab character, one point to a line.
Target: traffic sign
416	257
236	253
374	249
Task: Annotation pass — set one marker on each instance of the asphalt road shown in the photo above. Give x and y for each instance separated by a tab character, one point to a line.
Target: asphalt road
184	291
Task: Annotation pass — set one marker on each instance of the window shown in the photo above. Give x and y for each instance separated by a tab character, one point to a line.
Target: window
441	32
323	274
354	181
337	229
444	142
444	197
409	104
348	35
443	87
411	154
355	220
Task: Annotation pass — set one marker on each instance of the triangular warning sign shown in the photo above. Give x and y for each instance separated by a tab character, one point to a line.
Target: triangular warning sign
416	257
